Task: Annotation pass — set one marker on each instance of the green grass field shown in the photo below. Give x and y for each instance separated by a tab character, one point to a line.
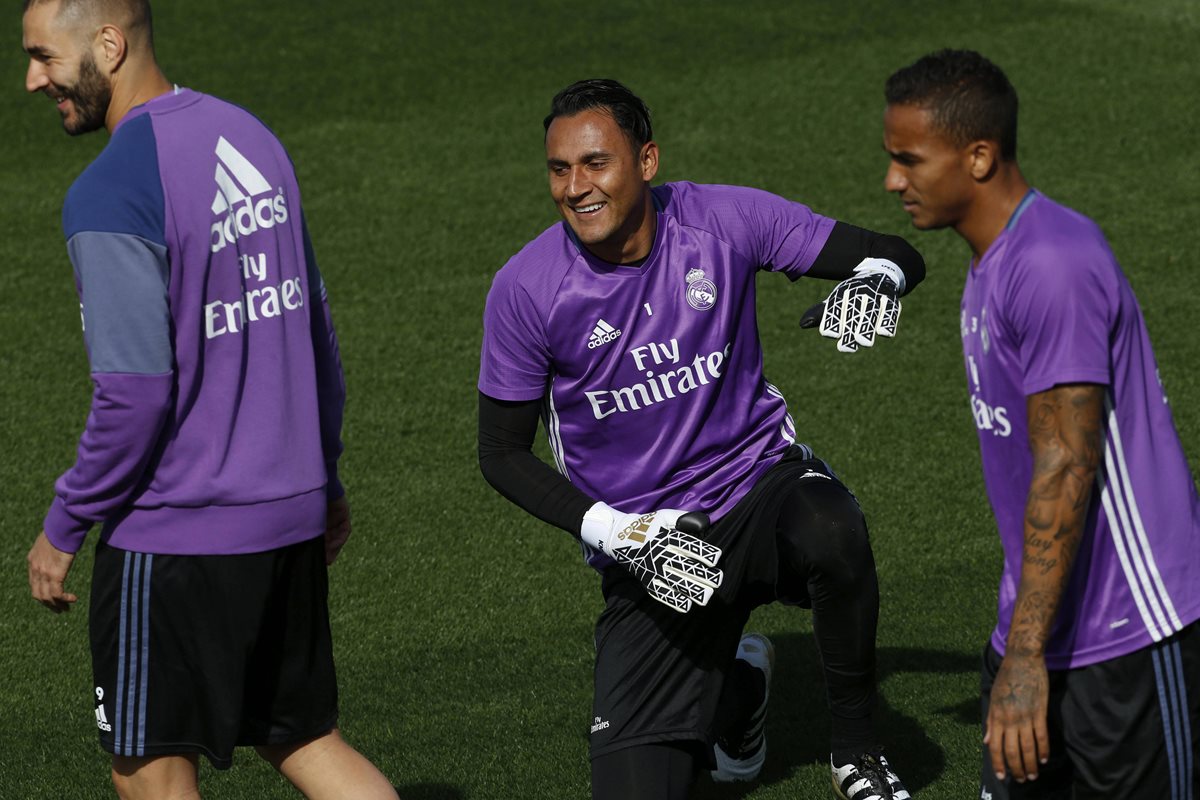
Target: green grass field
465	663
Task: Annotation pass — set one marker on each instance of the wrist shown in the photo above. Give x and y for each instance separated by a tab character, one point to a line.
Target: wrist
1014	654
63	529
882	266
1024	646
597	526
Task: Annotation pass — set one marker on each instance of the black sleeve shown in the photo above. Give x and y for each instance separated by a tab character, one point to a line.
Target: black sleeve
506	431
848	244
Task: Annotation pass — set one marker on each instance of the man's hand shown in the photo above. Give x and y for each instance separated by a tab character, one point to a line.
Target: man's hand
661	549
860	307
1016	723
48	568
337	527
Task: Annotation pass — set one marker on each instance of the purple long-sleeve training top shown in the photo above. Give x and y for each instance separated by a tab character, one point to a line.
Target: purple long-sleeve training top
218	392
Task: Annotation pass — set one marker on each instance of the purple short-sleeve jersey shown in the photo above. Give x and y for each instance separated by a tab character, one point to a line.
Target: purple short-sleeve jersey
652	375
1049	305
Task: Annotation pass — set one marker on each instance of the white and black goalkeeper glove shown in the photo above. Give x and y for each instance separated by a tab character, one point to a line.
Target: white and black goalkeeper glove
661	549
860	307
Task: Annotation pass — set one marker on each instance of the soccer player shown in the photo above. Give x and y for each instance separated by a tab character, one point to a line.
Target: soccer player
209	456
1091	680
630	328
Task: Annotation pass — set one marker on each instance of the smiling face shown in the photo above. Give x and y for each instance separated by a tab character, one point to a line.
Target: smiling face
63	67
931	174
601	185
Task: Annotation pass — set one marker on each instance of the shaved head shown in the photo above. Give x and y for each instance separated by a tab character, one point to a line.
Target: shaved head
88	16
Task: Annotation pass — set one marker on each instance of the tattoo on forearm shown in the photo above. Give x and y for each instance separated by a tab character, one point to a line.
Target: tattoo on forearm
1066	437
1041	563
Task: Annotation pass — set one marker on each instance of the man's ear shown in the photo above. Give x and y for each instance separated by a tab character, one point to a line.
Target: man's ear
982	159
648	161
110	48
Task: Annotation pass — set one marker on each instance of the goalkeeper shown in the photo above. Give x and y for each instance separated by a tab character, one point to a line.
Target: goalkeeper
630	330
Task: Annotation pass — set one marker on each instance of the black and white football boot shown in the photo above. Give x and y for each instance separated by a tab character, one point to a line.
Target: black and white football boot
866	776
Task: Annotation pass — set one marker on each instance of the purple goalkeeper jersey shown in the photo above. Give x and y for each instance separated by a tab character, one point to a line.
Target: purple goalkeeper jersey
652	375
1048	305
217	400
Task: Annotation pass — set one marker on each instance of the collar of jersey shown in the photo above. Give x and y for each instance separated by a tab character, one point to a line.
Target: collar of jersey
168	101
608	268
997	245
1029	197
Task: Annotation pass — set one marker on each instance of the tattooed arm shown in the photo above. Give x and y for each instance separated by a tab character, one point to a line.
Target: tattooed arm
1066	436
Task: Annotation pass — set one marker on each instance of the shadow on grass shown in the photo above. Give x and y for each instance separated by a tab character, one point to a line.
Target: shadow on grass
967	712
798	725
429	791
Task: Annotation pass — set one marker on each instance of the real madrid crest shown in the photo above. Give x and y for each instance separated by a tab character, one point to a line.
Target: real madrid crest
701	292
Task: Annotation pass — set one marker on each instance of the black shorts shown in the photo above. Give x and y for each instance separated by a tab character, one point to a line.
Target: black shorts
1124	728
199	654
659	673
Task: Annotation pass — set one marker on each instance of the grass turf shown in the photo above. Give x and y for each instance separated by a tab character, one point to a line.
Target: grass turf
462	626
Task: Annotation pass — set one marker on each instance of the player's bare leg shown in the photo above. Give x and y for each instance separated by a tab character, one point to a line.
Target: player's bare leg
156	778
327	767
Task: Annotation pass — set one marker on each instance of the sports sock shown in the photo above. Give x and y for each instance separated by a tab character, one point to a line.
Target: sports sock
850	736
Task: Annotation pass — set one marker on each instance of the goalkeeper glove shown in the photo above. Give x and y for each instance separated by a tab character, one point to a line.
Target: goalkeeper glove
861	306
660	549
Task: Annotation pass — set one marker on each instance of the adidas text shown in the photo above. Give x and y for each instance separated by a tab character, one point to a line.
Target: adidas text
248	218
238	184
602	334
102	719
596	341
636	531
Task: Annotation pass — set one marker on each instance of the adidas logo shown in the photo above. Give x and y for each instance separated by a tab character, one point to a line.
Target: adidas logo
238	184
602	334
102	719
636	532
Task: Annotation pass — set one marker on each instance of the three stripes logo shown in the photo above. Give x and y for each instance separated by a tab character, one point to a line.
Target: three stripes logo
637	531
239	183
602	334
102	718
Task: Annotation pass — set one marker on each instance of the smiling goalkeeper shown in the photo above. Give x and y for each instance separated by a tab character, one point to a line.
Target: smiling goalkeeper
630	330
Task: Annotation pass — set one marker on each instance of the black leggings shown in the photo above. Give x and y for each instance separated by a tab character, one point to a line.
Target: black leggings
823	545
646	772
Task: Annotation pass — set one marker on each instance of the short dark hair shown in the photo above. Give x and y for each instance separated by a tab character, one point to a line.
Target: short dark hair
968	96
610	97
133	15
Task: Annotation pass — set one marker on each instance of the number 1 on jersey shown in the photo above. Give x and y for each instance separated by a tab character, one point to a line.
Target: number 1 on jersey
649	311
